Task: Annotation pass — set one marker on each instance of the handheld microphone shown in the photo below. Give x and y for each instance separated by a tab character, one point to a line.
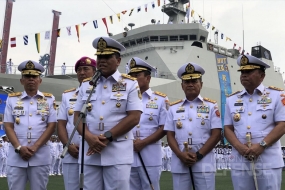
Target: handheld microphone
95	77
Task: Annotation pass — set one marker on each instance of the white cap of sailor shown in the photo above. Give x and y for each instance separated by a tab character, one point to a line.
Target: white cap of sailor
190	71
249	62
31	68
107	46
137	65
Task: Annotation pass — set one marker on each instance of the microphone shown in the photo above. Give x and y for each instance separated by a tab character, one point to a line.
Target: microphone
95	77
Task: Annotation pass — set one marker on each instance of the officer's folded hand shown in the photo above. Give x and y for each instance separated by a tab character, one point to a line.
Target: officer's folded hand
188	158
96	144
139	145
254	151
242	149
26	153
73	150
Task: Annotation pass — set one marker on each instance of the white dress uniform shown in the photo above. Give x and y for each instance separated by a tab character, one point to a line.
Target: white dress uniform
30	116
112	98
192	122
58	168
63	69
168	155
256	114
4	157
9	67
163	158
1	157
153	116
53	149
70	164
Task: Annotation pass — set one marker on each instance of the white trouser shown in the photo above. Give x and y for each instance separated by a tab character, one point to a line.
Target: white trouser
71	176
115	177
59	166
2	166
168	164
139	180
36	175
51	168
266	179
202	181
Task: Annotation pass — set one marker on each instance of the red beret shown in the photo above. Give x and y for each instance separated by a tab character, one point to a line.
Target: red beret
85	61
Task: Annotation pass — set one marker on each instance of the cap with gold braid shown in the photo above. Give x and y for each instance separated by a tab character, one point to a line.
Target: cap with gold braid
137	65
31	68
248	62
190	71
107	46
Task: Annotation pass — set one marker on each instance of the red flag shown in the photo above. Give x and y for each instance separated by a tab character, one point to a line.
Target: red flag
104	20
13	42
124	12
145	7
77	27
84	23
158	3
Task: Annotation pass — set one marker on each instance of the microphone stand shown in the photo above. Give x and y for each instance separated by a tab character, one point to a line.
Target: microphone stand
82	116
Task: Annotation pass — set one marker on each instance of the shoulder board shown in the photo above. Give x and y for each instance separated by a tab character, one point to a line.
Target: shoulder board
87	79
70	90
209	100
128	77
47	94
160	94
234	93
275	88
176	102
15	94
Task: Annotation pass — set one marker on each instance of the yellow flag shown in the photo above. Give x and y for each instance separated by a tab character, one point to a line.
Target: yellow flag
227	38
119	16
0	44
192	13
38	41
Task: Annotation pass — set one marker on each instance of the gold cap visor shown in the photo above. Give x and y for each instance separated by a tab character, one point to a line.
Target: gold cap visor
191	76
249	67
107	51
31	72
138	69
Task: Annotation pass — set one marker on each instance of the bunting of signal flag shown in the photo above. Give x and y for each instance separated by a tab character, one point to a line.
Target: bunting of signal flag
26	40
139	8
119	16
111	19
104	21
38	41
13	42
68	30
131	12
95	24
58	32
77	27
47	35
158	3
152	4
145	7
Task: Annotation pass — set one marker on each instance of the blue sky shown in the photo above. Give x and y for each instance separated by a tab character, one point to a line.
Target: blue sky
263	23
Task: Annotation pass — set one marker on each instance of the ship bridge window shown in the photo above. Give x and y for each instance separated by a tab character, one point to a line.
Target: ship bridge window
183	37
202	38
139	41
126	44
154	38
163	38
173	38
197	44
193	37
145	39
133	42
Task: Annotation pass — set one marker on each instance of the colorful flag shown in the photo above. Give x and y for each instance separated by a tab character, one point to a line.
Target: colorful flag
208	25
111	19
192	13
13	42
158	2
58	32
68	30
38	41
227	38
77	27
124	12
95	24
222	36
84	23
47	35
139	8
119	16
104	21
152	4
145	7
131	12
26	40
0	44
213	28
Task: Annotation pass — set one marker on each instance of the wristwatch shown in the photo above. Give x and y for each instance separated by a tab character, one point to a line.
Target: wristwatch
199	156
108	135
17	150
263	144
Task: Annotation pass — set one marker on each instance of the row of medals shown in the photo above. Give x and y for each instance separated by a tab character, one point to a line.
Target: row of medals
264	98
39	101
181	108
152	103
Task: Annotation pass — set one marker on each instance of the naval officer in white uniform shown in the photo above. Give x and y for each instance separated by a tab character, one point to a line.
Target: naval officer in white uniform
115	108
195	121
259	112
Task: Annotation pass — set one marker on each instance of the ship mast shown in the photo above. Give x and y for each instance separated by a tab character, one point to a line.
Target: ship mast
53	43
6	33
175	10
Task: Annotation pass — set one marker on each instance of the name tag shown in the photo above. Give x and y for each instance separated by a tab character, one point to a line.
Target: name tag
119	87
238	104
18	112
152	106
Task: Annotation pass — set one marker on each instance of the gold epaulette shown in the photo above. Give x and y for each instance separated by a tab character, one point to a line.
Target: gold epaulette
209	100
87	79
176	102
160	94
70	90
275	88
128	77
15	94
234	93
47	94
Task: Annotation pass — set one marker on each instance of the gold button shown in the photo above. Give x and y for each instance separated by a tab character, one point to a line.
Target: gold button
30	128
250	99
138	126
30	114
206	116
190	119
126	137
29	141
249	113
190	133
105	86
191	106
101	118
248	127
31	103
103	102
